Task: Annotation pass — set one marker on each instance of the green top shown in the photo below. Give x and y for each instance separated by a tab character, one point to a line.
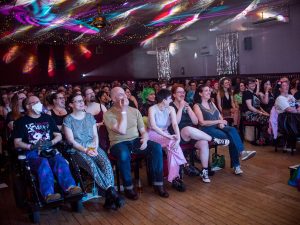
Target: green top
238	98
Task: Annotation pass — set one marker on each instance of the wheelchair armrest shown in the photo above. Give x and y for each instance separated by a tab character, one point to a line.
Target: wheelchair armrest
71	152
64	146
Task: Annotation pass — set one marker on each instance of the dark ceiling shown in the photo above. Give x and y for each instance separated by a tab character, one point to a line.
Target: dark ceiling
132	21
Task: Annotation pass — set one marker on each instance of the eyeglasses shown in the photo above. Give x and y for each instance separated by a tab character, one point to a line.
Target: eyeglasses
33	103
90	93
180	92
78	101
60	98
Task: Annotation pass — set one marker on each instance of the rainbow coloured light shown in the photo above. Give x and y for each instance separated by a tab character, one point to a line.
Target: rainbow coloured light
30	64
70	64
51	71
148	41
11	55
84	51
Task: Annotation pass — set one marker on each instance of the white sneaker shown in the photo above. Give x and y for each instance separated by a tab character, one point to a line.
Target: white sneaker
218	141
204	176
238	170
216	168
247	155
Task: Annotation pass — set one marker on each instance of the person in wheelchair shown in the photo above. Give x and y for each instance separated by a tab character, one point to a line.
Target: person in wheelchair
37	133
81	131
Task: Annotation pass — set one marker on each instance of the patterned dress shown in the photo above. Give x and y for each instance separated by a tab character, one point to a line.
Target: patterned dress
99	166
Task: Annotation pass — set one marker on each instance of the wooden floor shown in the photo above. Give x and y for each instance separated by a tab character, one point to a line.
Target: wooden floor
260	196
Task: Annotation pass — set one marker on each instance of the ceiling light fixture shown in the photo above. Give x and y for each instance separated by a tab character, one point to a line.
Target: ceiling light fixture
99	21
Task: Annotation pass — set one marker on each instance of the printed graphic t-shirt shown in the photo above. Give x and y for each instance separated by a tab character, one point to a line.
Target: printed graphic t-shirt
31	130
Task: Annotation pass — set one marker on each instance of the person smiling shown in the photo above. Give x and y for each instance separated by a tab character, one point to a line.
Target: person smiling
81	131
212	123
161	116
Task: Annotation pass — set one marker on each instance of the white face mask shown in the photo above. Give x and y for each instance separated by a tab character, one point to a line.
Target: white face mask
37	108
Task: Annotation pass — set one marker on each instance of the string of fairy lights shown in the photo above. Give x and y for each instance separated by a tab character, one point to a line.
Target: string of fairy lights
165	15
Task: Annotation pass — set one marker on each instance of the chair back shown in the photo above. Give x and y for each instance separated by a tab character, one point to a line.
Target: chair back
103	138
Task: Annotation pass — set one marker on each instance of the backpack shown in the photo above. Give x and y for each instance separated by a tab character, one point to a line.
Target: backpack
295	178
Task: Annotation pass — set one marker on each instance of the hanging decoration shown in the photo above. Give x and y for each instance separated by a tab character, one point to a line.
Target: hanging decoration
163	63
227	53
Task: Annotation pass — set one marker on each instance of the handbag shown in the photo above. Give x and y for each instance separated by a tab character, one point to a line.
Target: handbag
218	161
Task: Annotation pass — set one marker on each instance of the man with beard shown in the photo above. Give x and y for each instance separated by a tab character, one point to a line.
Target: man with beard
36	133
92	107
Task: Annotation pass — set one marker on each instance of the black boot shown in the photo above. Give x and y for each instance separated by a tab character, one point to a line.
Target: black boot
109	201
116	199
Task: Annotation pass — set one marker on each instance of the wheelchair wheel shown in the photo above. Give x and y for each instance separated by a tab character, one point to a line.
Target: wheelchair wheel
77	206
19	190
34	216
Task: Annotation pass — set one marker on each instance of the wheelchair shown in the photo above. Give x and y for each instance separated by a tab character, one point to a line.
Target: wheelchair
25	185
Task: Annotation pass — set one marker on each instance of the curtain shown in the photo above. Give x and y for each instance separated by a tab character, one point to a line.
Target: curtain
227	53
163	63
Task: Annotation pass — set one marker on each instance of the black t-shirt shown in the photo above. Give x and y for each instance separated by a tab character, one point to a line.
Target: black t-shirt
249	95
268	107
185	118
31	130
297	95
59	120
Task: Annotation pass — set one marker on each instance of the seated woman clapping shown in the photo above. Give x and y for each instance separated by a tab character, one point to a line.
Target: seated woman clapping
81	131
212	123
160	117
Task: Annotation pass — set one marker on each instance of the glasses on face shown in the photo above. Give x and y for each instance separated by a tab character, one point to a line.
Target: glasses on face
33	103
180	92
21	98
78	101
90	93
60	98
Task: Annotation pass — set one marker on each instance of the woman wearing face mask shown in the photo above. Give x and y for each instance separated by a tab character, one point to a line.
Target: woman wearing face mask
160	116
81	131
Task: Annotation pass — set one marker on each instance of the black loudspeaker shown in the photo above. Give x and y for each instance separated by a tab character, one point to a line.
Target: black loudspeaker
248	43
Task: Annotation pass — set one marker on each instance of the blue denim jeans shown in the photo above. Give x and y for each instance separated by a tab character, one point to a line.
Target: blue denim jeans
235	147
44	168
153	152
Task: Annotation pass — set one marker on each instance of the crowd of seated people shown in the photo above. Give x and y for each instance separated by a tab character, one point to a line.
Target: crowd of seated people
174	113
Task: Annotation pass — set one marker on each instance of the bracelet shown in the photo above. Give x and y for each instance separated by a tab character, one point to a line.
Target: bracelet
123	112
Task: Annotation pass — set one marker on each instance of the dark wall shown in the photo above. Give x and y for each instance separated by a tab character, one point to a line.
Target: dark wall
107	63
